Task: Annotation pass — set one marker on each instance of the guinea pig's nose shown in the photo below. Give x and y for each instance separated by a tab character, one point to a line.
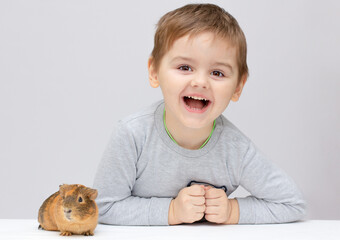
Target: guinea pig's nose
67	210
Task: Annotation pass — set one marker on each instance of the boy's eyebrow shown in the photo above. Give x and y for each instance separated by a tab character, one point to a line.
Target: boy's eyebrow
182	58
227	65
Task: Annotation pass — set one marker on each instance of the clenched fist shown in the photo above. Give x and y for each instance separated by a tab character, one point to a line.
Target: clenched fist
188	206
194	202
220	209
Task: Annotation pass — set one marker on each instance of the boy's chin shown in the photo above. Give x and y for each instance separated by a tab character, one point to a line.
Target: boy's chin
194	125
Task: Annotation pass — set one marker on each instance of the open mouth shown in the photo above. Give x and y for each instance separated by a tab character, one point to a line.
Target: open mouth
196	103
68	217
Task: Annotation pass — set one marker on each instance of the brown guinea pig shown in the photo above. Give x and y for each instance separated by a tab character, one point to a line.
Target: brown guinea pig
71	210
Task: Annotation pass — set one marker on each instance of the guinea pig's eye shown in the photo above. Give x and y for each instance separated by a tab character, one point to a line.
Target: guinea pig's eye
80	199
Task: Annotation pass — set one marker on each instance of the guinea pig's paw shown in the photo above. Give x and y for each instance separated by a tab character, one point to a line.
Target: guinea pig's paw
88	233
65	234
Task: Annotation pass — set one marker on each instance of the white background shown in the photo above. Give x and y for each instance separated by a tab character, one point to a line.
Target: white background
69	70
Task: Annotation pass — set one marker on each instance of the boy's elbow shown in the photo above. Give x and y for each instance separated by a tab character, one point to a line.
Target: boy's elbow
104	212
288	212
299	211
302	211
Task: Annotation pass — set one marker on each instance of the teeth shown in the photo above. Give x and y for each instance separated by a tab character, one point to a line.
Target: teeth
196	98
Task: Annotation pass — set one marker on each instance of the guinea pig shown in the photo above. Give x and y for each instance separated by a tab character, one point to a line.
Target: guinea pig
71	210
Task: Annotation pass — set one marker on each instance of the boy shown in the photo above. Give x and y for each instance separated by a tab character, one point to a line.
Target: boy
178	160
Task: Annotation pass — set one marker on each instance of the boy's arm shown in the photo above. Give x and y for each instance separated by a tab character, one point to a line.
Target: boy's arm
274	198
115	178
234	212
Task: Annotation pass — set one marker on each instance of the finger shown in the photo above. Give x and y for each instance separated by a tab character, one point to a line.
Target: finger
199	216
198	201
212	201
196	190
214	218
214	193
199	209
212	210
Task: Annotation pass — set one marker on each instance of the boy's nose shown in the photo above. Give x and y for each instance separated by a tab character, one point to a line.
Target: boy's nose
200	80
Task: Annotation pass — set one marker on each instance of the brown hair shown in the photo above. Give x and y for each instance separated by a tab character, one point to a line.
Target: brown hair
193	19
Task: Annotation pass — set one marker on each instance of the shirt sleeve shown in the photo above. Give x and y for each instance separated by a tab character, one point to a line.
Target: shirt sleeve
274	197
114	180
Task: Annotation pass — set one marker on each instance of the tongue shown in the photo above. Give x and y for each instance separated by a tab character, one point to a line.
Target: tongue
192	103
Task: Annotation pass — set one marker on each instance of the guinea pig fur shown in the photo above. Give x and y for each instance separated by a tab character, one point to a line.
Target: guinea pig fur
71	210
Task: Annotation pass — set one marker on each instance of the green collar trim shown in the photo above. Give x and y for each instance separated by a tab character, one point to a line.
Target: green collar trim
206	141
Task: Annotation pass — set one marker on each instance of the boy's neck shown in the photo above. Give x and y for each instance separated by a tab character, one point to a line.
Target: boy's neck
185	137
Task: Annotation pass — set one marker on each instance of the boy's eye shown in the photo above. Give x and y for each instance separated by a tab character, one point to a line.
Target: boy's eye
185	68
217	74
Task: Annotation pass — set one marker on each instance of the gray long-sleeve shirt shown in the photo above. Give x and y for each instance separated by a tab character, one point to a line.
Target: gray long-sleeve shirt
142	170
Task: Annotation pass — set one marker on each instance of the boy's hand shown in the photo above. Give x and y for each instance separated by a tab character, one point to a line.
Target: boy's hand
220	209
188	206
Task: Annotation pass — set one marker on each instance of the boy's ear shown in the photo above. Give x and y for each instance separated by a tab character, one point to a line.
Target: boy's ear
153	78
239	88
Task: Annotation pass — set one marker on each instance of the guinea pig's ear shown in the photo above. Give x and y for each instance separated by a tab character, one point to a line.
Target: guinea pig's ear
62	189
91	193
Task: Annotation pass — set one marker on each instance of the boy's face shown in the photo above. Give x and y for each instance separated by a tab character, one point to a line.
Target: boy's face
198	78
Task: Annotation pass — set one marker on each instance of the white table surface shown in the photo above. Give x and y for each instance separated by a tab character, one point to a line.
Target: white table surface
315	229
